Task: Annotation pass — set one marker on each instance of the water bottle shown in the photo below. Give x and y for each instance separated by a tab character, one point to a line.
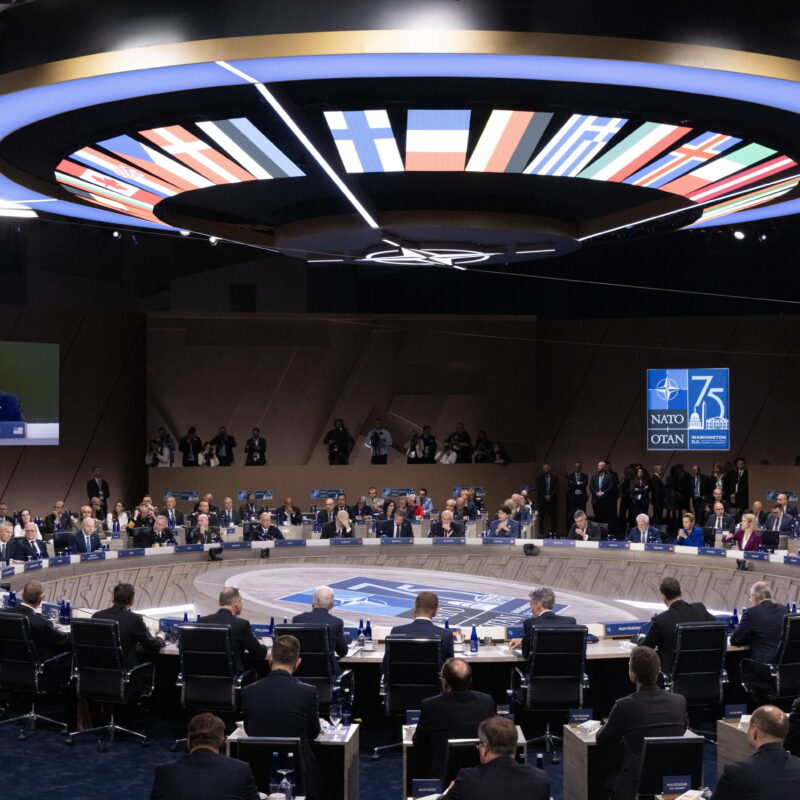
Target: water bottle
274	775
734	619
186	616
447	624
473	641
347	709
794	608
285	621
68	613
272	626
368	634
361	638
540	760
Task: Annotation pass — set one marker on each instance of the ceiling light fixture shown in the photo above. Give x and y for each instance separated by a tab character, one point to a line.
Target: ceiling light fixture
738	235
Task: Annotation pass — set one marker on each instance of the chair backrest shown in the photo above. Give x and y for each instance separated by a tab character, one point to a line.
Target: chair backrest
665	756
258	752
411	671
787	659
458	754
699	663
99	662
556	667
208	672
18	656
316	665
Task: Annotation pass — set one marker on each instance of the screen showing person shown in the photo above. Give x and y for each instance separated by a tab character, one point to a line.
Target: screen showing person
29	388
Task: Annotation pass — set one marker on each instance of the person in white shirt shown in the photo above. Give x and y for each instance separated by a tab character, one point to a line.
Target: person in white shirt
379	440
424	500
119	514
24	518
446	455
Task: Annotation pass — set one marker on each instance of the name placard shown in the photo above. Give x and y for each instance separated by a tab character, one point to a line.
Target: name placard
449	540
345	542
514	632
676	784
397	540
578	715
756	556
130	552
422	787
735	711
497	540
58	561
98	556
290	543
116	535
626	628
188	548
260	629
412	716
712	551
611	544
791	559
237	545
558	542
659	547
31	565
8	572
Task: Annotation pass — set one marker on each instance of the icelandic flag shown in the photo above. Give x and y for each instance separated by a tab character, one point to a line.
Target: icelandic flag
718	169
745	178
508	140
197	154
436	140
580	139
683	159
365	140
633	152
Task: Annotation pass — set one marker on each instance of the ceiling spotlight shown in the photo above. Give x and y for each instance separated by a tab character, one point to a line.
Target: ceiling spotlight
212	240
116	234
762	237
738	235
183	233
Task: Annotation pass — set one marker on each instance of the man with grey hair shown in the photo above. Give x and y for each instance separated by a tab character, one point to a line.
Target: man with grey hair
644	532
85	540
6	532
321	604
543	601
446	527
760	629
27	547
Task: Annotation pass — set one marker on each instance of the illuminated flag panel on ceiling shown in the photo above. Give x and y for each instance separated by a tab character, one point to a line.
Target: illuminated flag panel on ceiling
508	141
762	172
365	140
749	200
436	140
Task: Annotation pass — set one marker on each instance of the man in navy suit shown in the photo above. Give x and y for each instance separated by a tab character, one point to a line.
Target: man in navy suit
644	532
397	527
27	547
48	640
760	629
770	771
264	531
10	408
543	601
426	605
204	774
504	525
498	774
340	528
446	526
321	605
778	520
85	540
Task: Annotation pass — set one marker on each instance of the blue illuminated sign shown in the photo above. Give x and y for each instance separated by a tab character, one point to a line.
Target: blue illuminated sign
688	409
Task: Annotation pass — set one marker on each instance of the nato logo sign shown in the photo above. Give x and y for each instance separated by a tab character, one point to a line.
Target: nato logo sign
688	409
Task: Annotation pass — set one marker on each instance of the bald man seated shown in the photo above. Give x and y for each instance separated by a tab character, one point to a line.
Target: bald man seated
321	605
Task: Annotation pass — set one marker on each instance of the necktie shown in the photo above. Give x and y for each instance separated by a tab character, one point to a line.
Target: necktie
775	524
88	544
172	515
600	483
35	548
719	523
396	531
547	484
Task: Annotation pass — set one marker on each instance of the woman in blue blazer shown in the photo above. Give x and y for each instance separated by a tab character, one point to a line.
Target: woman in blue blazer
689	535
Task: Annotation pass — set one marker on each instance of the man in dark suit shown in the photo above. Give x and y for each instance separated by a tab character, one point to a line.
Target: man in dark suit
397	527
85	540
426	606
453	714
250	510
204	774
498	774
289	514
543	601
717	522
242	638
265	531
321	605
26	547
97	486
341	505
649	711
255	449
760	629
6	534
577	491
190	447
582	529
228	515
787	509
547	500
603	488
10	408
735	486
778	521
224	444
59	516
661	635
758	512
446	526
282	705
48	640
133	632
700	492
658	494
328	513
770	772
340	528
644	532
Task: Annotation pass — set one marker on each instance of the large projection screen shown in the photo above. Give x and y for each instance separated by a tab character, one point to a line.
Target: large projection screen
29	382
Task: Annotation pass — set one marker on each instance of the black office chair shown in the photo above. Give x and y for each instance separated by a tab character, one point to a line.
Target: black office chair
102	677
663	756
208	678
698	667
603	530
258	752
411	673
555	676
23	672
318	663
459	754
783	674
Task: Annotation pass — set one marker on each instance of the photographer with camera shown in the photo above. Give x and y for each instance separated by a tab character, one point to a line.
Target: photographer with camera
379	440
339	443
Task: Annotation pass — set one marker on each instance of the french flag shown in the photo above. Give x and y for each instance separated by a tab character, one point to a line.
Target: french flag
436	140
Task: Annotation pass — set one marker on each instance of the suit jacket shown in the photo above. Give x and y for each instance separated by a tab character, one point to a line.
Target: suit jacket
18	548
256	451
47	639
227	517
282	705
784	526
501	777
388	527
335	626
190	447
449	715
425	629
323	519
456	529
256	533
77	542
228	443
513	526
253	512
294	517
541	490
132	632
761	517
147	537
705	487
577	486
204	775
5	549
355	511
651	535
10	408
177	513
648	712
92	489
658	492
769	773
329	532
662	629
211	535
729	487
728	522
50	522
592	529
547	619
753	543
760	628
610	486
242	638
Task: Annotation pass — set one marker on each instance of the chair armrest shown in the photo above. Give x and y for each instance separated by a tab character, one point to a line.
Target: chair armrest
55	658
179	680
239	679
382	687
585	681
773	668
148	666
667	681
724	676
345	678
